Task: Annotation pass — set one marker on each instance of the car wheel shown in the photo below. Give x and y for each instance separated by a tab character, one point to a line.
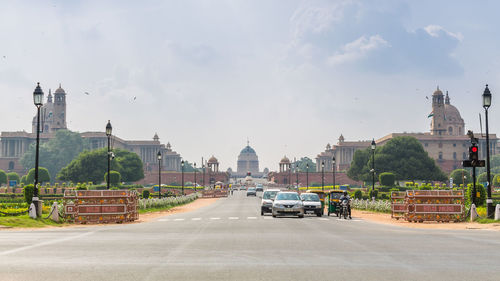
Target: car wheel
274	215
261	212
301	216
319	214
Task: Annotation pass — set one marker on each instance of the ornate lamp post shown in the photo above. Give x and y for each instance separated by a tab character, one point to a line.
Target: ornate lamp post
109	130
289	175
307	175
182	171
38	101
323	175
203	168
373	146
297	176
486	105
158	156
333	170
195	176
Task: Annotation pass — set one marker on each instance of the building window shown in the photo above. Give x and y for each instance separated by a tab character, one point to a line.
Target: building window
426	144
440	155
454	145
455	155
11	165
463	144
464	156
450	130
440	145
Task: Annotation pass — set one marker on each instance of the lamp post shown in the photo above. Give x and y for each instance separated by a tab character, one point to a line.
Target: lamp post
307	175
323	175
158	156
182	171
203	168
195	176
489	200
109	130
289	175
333	170
297	176
373	146
38	101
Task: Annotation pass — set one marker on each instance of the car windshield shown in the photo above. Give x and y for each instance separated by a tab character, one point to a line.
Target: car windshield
335	195
287	196
269	194
309	197
251	189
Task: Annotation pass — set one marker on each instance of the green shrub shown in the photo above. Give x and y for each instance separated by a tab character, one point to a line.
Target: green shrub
28	193
496	180
24	179
461	176
114	178
387	179
145	194
3	177
481	200
384	196
482	178
424	186
81	187
358	194
114	188
373	193
43	175
13	176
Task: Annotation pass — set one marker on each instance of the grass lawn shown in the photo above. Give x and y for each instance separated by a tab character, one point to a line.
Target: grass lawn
480	220
152	210
26	221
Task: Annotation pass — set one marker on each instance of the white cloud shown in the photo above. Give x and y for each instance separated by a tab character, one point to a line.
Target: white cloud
358	49
437	30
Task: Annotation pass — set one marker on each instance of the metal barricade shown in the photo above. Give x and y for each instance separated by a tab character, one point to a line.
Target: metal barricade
435	205
399	208
101	206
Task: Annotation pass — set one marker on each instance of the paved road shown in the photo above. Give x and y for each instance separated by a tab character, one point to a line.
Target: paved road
229	240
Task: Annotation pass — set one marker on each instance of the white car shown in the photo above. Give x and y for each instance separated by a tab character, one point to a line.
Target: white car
266	205
288	203
312	204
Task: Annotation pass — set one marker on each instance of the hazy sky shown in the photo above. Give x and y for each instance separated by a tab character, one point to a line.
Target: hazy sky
289	75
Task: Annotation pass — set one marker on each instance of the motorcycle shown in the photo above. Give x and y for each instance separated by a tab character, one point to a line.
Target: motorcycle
345	211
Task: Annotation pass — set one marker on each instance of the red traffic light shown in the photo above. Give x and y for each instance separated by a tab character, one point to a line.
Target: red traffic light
474	149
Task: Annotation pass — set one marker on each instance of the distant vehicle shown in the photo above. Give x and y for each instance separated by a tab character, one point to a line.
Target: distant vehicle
242	187
288	203
251	191
266	204
312	204
259	187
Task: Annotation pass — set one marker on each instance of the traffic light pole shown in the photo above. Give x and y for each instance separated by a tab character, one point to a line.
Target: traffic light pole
473	196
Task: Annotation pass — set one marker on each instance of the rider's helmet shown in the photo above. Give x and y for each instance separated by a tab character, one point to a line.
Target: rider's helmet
345	193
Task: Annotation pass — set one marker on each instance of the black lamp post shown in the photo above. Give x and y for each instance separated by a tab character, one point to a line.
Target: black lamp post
307	175
289	175
373	146
323	175
109	130
38	101
158	156
297	176
486	105
195	176
333	170
203	168
182	171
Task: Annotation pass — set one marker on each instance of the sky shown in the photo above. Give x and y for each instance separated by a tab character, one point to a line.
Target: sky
289	76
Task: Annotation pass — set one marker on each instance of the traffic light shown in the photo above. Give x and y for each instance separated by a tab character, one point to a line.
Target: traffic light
473	153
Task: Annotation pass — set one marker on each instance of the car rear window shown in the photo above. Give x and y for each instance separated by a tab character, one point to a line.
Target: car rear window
287	196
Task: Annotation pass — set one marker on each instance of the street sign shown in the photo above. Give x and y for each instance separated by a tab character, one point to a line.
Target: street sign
12	183
473	163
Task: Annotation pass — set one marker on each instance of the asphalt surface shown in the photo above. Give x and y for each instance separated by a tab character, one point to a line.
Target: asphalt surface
229	240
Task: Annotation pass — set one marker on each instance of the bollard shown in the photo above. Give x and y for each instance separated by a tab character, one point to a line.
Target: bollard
55	212
473	212
497	212
32	211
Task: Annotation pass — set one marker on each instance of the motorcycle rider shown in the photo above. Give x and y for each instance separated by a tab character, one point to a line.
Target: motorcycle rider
345	197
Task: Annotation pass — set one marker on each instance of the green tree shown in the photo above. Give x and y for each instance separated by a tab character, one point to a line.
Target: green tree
496	180
359	170
24	179
302	164
28	193
57	152
387	179
43	176
3	177
13	176
114	178
460	176
92	165
482	178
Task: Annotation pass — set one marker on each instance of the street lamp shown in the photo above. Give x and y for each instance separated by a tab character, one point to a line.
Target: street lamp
203	168
109	130
333	170
158	156
307	175
323	176
373	146
38	101
486	105
182	170
297	176
195	176
289	175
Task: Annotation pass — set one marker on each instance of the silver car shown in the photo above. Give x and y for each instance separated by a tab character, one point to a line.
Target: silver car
266	204
312	204
288	203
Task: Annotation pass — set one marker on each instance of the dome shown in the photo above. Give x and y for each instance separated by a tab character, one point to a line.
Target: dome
247	149
212	160
437	92
285	160
60	90
451	113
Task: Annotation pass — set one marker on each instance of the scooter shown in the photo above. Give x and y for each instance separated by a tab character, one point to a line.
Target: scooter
345	211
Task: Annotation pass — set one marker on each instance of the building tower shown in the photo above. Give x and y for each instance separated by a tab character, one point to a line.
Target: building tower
59	110
438	114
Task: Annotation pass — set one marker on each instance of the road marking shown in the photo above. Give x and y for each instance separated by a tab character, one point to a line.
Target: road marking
196	219
323	219
233	218
251	218
268	218
178	219
163	220
45	243
215	218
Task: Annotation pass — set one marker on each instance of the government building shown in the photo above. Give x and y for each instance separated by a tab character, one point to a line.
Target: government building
53	117
446	142
248	162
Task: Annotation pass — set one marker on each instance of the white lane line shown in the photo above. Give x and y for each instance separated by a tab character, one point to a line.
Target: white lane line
251	218
268	218
234	218
45	243
178	219
323	219
215	218
163	220
196	219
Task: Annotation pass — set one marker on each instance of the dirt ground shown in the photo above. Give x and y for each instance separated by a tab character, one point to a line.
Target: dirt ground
386	219
146	217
